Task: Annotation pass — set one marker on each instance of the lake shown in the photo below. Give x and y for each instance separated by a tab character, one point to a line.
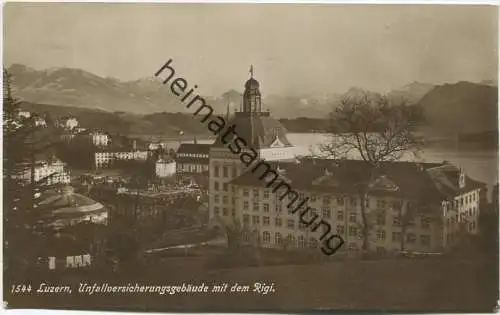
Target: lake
481	165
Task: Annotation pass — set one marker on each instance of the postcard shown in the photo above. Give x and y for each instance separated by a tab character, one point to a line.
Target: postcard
250	157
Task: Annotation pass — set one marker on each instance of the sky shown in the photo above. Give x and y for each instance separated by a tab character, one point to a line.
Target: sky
294	49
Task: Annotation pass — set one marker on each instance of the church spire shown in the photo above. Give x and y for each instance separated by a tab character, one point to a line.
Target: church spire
251	96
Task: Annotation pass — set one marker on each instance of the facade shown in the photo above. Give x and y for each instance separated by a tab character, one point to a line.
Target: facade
263	133
192	158
53	172
40	122
24	114
99	138
165	168
406	207
106	158
69	123
416	207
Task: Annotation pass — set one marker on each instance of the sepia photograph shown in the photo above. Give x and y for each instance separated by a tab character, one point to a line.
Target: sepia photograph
250	157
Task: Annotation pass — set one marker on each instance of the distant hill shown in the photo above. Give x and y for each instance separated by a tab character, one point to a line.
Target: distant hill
462	108
411	93
78	88
123	123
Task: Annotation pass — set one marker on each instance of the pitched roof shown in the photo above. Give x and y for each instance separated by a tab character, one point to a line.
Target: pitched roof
446	179
195	148
259	130
347	176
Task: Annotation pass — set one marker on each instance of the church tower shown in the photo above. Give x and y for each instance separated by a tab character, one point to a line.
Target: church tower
251	96
261	132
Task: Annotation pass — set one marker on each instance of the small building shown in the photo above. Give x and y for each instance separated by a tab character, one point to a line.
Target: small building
69	123
24	114
51	172
106	158
165	168
192	158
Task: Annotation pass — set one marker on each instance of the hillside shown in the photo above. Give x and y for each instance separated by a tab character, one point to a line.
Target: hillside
463	107
165	124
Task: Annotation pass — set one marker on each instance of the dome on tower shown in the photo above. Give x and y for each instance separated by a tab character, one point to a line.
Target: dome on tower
251	84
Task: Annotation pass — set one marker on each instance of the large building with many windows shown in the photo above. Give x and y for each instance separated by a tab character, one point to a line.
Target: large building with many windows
408	208
417	207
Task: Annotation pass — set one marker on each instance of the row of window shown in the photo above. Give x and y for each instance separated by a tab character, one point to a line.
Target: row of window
353	217
225	171
195	155
225	212
289	240
327	200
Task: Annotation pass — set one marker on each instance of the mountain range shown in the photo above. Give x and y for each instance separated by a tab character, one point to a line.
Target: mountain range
462	107
79	88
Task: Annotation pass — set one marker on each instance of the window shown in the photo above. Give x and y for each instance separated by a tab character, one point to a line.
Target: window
340	229
396	221
216	185
278	208
216	198
246	219
266	237
216	210
290	224
225	187
266	194
326	200
353	201
340	215
233	212
396	236
245	205
225	212
235	172
278	222
426	222
302	226
224	199
425	240
246	192
255	207
216	171
410	238
256	193
255	219
277	238
302	241
266	221
326	212
367	203
313	198
352	217
266	207
353	231
381	235
225	172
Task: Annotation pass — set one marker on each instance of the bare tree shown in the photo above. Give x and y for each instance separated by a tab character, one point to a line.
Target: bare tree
377	130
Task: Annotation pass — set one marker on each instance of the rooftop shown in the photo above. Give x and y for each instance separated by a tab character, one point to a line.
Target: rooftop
407	179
